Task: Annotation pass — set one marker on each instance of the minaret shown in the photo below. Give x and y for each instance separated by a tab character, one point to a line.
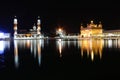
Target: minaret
38	25
15	25
81	27
91	22
100	25
34	27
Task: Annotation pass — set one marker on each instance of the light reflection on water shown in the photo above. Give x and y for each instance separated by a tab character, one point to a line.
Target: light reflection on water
34	46
3	46
59	56
112	43
89	48
92	47
62	44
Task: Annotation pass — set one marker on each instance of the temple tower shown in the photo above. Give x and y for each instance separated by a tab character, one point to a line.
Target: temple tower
38	25
15	25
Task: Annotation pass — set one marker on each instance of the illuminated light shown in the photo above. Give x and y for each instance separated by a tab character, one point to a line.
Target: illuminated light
92	30
100	54
34	48
88	52
59	40
16	59
1	35
28	43
59	29
31	47
93	47
38	22
15	21
82	52
42	43
39	52
110	43
60	47
39	58
28	35
15	28
92	55
1	47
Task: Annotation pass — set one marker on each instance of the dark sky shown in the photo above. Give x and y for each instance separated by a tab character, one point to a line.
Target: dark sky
68	14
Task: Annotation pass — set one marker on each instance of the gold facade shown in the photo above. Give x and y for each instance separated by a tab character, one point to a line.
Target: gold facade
91	30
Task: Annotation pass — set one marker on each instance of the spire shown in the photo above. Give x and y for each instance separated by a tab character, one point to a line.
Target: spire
38	25
91	21
100	24
38	21
34	27
15	25
15	16
15	20
81	25
38	17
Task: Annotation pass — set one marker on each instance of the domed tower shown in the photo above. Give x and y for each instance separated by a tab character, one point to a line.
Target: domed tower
100	25
38	25
15	25
81	27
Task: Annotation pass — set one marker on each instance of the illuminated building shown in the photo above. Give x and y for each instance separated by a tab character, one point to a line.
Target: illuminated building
92	30
33	33
60	32
4	36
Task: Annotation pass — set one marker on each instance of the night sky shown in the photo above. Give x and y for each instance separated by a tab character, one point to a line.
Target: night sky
67	14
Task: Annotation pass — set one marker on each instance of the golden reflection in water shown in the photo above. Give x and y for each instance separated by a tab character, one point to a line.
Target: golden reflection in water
34	46
16	54
60	45
92	47
28	43
39	52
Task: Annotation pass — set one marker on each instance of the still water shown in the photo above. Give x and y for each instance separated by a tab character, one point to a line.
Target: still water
57	58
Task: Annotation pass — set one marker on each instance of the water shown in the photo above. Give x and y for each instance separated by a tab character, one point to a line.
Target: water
60	59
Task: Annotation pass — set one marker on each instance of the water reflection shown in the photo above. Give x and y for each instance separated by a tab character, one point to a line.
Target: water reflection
72	42
64	44
16	54
33	45
112	43
60	45
4	44
92	47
